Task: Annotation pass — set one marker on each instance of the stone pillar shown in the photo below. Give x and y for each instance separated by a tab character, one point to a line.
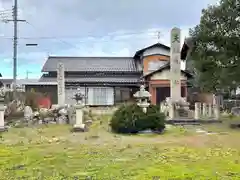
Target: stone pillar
2	124
197	111
79	126
204	109
61	84
210	110
175	65
216	112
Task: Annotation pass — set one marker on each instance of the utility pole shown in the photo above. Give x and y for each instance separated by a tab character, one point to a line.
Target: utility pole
15	38
27	73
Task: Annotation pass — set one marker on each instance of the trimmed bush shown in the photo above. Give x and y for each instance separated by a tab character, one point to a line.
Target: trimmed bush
130	118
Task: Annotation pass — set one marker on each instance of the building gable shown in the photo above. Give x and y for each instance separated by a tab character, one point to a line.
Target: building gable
157	48
164	71
166	75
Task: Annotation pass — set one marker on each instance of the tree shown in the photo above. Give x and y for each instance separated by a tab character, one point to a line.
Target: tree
216	50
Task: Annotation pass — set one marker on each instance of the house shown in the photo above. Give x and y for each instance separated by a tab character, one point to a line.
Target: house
112	80
6	83
103	80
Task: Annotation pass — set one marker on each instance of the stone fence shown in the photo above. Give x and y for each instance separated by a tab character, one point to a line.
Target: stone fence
206	111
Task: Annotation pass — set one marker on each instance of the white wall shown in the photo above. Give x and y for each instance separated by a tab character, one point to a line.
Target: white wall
156	50
165	75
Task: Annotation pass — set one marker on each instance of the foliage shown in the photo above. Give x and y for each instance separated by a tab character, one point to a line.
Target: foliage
216	47
32	98
11	96
131	119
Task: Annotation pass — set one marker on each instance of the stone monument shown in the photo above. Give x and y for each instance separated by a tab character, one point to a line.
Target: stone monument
2	109
175	66
175	101
61	84
79	126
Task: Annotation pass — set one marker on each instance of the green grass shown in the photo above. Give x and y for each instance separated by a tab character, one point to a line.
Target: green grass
53	153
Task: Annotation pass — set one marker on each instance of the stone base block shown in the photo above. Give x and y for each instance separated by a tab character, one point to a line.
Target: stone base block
3	129
79	128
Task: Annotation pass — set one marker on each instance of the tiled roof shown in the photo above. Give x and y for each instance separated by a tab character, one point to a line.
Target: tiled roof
124	64
118	79
5	80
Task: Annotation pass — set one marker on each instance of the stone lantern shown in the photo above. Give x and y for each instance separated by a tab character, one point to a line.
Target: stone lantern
142	97
2	109
79	126
79	97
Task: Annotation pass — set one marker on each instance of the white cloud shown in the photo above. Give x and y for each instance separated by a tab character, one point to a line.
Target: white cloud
93	28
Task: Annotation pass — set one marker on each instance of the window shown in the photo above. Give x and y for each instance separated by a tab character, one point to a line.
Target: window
122	94
100	96
8	86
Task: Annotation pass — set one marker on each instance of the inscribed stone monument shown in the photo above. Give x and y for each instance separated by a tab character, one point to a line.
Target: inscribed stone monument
2	110
61	84
28	113
175	66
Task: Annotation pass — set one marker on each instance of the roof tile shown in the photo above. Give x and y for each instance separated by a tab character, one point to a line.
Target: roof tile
124	64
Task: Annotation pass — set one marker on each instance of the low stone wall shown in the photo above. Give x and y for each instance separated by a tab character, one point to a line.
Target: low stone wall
102	110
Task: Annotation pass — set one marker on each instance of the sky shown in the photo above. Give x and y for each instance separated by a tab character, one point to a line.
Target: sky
90	28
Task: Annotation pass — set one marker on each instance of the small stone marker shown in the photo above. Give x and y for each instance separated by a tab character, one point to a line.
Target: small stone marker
28	113
2	109
204	109
210	110
197	111
216	112
2	125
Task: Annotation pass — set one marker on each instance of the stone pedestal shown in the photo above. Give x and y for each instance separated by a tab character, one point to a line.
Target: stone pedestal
197	111
204	109
2	124
79	126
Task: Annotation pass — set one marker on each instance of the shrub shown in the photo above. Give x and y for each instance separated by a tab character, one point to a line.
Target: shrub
131	119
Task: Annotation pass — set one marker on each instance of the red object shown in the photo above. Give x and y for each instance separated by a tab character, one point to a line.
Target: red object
44	102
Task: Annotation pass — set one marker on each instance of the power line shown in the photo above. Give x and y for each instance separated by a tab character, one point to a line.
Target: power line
64	42
123	36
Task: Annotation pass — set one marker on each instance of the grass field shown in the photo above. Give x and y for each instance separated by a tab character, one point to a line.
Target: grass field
54	153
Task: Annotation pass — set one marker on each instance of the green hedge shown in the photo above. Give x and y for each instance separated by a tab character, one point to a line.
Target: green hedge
130	118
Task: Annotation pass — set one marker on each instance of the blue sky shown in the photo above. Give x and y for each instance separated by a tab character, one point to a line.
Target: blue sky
90	28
